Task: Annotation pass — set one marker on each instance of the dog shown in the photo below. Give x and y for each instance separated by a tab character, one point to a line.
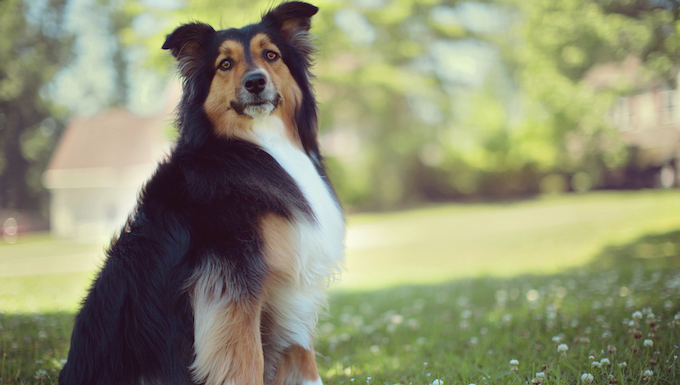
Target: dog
219	275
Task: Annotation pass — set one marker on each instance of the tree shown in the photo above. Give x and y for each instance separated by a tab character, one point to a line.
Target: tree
34	47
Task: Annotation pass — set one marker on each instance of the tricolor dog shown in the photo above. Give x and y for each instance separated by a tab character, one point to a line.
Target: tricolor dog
219	275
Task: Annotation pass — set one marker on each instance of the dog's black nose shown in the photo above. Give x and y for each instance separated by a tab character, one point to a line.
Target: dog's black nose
255	82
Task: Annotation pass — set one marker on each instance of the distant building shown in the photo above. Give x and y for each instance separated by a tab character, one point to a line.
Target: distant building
98	169
648	119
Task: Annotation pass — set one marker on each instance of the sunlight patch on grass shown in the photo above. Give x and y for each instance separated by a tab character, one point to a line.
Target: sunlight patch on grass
546	235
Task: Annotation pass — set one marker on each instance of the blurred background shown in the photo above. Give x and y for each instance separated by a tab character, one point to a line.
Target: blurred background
484	104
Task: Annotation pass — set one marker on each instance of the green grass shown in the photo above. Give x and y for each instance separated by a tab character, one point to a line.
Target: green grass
464	289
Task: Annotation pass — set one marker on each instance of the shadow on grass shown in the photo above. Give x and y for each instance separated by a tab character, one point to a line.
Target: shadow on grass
467	330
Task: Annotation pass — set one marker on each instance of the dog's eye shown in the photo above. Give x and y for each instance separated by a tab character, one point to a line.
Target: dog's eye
225	64
271	55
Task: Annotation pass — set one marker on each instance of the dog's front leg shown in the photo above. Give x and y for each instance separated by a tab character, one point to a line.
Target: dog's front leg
298	366
227	340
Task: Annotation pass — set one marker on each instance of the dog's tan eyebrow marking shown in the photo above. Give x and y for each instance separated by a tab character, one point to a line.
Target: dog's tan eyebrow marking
229	49
262	41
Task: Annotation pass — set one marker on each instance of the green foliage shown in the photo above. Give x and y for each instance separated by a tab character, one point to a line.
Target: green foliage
418	103
34	47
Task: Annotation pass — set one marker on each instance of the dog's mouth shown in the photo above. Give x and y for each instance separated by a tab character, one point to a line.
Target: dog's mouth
257	107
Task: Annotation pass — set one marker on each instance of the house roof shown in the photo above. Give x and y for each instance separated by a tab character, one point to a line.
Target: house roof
115	138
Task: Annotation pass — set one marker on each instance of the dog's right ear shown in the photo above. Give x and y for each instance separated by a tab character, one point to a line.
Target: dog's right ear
187	43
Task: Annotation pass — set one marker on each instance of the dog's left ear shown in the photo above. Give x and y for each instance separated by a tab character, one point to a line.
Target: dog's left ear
293	19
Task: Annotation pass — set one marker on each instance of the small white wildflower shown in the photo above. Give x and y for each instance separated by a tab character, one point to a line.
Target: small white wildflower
540	375
591	358
606	334
668	305
648	343
474	341
623	364
648	373
514	362
637	315
604	361
40	375
587	378
562	348
631	323
437	382
677	317
557	339
595	364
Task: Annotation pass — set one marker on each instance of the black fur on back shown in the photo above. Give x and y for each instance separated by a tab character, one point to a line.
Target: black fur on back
204	201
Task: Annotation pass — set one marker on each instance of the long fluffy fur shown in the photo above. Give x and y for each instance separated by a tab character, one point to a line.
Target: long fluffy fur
212	280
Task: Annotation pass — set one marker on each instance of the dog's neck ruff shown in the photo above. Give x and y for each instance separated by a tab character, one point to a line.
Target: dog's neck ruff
270	134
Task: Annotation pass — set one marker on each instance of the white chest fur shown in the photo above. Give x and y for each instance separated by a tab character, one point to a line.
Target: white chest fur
320	243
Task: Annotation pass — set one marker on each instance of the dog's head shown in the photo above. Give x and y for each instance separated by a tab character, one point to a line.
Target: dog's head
234	76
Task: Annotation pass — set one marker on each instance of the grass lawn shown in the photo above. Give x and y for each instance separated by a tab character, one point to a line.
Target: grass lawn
451	294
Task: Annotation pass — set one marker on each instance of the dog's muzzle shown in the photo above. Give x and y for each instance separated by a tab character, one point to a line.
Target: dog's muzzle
257	96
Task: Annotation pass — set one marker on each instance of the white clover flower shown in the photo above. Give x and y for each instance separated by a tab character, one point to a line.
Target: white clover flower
540	375
557	339
648	343
668	305
637	315
514	362
437	382
623	364
648	373
591	357
40	375
562	348
587	378
595	364
604	361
